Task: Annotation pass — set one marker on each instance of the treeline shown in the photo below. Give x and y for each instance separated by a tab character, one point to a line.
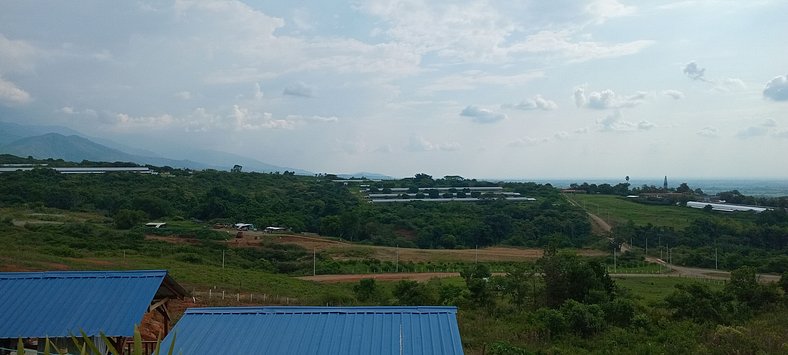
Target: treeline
566	304
303	204
733	196
759	241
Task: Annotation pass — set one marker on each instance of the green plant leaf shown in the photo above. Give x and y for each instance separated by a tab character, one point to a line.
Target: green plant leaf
172	344
109	344
20	346
137	341
46	346
89	342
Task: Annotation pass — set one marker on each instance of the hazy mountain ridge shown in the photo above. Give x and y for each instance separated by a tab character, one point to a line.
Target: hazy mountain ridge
60	142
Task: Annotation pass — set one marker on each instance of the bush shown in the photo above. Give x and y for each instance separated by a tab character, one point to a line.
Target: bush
125	219
583	319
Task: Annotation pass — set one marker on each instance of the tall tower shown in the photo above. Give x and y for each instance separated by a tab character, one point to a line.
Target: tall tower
665	184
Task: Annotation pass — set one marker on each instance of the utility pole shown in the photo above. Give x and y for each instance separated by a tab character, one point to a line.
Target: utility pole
222	260
397	267
314	262
715	258
477	253
615	264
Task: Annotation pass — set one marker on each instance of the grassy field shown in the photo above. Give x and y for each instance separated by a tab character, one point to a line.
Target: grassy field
654	289
617	210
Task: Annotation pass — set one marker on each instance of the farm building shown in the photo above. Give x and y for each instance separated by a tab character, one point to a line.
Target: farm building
317	330
156	225
56	304
725	207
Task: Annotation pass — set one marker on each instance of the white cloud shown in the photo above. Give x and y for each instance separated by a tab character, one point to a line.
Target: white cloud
602	10
730	84
607	99
694	72
528	142
562	44
420	144
298	89
477	32
472	79
777	89
675	94
709	132
10	94
258	93
123	120
615	122
16	56
183	95
470	32
536	103
482	115
245	119
759	130
561	135
753	131
645	125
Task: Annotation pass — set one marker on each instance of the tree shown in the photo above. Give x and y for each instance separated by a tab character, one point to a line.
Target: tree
412	293
784	283
236	168
126	219
366	290
583	319
477	280
696	302
683	188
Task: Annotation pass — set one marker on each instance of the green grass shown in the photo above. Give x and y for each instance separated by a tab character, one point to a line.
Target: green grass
617	210
655	289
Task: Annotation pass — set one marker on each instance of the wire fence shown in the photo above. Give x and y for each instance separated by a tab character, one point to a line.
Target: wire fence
223	297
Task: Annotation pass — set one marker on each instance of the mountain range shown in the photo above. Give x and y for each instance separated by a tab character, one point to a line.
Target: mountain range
57	142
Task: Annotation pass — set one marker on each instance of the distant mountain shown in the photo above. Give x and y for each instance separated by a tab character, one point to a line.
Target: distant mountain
227	160
75	148
366	175
10	132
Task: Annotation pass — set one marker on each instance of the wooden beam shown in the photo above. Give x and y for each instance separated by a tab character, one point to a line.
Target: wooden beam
158	304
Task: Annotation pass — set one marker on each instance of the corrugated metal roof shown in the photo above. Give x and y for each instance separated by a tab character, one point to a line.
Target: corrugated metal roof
54	304
317	330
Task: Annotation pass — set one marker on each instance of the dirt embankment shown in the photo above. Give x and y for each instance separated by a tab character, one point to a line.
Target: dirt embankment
340	250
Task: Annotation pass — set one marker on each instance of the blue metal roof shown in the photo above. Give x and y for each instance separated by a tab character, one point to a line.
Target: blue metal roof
317	330
55	304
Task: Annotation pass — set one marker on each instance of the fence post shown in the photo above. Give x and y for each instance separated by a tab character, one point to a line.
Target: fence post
222	294
209	293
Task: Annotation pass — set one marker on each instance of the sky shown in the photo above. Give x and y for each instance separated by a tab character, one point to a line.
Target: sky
484	89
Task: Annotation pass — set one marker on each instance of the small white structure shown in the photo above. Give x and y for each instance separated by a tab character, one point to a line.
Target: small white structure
243	226
724	207
275	229
155	225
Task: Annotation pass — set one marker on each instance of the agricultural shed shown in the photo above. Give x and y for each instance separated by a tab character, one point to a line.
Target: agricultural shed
316	330
56	304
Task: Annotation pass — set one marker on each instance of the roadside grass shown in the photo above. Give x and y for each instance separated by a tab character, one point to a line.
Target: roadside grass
646	268
618	210
655	289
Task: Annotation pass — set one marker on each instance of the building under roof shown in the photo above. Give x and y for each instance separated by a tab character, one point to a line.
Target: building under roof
316	330
56	304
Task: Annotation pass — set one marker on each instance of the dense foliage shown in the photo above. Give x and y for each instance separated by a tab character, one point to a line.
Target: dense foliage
565	304
301	203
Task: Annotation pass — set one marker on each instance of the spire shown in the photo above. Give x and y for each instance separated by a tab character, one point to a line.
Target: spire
665	184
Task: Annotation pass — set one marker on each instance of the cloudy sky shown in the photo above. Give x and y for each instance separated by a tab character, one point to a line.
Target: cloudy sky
517	89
